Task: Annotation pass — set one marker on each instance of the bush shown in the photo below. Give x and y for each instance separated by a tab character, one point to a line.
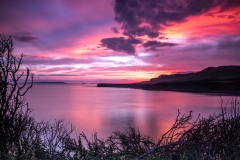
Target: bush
15	120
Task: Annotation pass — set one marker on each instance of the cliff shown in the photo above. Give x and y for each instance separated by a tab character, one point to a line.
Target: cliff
222	79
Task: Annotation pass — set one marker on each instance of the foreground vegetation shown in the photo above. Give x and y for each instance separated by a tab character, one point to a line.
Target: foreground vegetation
22	137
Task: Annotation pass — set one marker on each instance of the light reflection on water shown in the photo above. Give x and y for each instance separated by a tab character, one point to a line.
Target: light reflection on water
105	110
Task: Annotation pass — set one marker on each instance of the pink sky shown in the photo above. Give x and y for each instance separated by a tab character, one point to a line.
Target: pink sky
121	41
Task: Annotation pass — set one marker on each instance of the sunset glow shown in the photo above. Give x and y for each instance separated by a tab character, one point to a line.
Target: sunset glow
85	41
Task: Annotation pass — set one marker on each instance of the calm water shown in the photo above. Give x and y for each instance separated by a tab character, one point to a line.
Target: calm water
104	110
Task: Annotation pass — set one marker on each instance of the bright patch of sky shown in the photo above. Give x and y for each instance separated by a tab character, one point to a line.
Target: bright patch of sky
124	60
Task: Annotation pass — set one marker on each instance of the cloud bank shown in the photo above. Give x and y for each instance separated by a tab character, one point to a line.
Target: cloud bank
141	17
150	18
121	44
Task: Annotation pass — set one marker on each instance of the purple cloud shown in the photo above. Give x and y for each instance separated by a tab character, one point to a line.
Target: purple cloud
24	36
38	60
115	30
153	45
121	44
229	43
157	14
150	18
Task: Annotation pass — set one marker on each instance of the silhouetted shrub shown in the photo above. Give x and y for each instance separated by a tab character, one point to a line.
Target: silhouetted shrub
16	124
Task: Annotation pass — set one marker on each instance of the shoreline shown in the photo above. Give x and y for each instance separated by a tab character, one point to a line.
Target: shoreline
209	88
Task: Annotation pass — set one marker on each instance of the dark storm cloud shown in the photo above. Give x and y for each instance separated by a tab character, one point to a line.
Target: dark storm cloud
153	45
121	44
226	4
141	31
115	30
149	18
156	14
24	36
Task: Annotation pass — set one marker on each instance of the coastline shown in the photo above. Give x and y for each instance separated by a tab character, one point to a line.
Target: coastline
203	87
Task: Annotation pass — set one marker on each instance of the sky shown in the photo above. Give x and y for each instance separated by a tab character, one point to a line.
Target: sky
121	41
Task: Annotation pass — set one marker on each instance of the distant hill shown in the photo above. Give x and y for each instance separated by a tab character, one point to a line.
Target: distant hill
222	79
221	73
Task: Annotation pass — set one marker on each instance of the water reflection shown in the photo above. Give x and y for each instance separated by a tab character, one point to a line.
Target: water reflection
107	109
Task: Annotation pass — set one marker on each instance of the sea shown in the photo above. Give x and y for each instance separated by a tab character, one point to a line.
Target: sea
93	109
